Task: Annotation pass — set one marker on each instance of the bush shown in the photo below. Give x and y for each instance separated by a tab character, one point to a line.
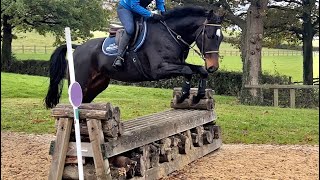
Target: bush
30	67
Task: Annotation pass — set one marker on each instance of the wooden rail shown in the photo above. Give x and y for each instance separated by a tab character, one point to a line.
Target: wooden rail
276	88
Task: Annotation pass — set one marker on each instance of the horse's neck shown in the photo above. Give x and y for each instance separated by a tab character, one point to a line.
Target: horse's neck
186	27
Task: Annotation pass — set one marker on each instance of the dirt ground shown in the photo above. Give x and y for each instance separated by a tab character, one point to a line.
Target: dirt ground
26	157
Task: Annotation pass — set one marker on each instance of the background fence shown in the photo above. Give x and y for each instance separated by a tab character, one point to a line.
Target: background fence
49	49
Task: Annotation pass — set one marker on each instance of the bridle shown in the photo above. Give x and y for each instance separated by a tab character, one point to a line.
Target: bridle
178	38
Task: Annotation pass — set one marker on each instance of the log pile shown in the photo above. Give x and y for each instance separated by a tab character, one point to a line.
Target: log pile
109	116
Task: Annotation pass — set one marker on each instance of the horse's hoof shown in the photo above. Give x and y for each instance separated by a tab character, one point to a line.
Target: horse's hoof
180	99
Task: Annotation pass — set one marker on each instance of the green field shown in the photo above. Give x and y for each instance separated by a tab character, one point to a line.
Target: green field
290	65
23	110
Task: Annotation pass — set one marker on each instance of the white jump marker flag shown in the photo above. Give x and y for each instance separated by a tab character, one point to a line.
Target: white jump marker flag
75	98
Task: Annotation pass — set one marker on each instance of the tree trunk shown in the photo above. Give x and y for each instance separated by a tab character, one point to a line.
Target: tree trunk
6	58
307	44
252	59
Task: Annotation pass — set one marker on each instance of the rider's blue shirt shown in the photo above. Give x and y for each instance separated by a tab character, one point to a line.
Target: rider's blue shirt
139	6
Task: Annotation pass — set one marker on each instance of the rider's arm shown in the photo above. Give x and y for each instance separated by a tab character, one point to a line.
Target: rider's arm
160	5
135	6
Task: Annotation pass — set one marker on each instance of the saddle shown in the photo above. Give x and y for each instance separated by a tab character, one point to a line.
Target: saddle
110	44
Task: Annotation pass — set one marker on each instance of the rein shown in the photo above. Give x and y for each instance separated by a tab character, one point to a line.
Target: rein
178	38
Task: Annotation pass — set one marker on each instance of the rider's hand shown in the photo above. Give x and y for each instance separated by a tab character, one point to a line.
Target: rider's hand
157	17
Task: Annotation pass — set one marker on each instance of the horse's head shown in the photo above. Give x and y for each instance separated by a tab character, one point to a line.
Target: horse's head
209	40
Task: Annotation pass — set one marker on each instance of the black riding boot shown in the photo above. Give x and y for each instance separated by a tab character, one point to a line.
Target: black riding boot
121	51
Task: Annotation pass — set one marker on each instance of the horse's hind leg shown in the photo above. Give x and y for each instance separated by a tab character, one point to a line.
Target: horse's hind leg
97	83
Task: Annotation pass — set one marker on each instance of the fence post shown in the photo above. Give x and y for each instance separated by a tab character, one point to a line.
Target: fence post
290	80
45	49
34	49
22	49
275	97
292	98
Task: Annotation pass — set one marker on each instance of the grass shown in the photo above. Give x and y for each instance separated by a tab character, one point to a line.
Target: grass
23	111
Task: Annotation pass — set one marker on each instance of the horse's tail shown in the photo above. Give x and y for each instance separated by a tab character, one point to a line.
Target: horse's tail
58	66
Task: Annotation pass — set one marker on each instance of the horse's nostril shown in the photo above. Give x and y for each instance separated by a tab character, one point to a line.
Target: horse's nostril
211	69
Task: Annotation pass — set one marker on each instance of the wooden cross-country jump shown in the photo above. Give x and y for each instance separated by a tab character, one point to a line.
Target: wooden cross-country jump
148	147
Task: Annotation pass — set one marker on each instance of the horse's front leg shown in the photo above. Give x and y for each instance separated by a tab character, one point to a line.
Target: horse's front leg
202	82
185	89
168	70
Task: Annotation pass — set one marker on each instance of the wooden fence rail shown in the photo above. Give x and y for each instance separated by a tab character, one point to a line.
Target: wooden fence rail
49	49
276	88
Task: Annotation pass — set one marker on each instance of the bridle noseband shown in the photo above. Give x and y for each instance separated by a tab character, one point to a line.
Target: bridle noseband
178	38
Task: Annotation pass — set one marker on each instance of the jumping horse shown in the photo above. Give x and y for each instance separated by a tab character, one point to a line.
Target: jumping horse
162	56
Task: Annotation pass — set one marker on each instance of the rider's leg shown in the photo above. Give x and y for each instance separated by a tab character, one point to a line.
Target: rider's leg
126	18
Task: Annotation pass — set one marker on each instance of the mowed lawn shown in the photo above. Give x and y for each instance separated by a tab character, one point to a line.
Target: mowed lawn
23	110
287	64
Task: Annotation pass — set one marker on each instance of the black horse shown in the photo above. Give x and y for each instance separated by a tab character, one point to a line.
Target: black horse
161	56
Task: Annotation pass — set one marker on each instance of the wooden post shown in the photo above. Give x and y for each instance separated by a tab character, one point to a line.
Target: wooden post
292	98
34	49
275	97
96	139
60	150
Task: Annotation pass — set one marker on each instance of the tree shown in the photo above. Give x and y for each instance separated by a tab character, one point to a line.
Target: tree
82	16
295	21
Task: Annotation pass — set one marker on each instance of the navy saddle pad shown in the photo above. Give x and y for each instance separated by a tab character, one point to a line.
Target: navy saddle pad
110	48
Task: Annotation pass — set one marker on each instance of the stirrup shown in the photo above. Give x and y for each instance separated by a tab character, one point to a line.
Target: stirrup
118	62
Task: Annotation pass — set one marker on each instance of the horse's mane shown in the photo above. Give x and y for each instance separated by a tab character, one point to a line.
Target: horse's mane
185	11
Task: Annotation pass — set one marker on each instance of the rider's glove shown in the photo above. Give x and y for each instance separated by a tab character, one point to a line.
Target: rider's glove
157	17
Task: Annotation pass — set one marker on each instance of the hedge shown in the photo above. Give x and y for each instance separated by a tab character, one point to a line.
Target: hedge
222	82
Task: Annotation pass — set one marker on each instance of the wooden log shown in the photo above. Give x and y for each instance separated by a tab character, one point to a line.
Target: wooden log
145	151
120	128
217	132
110	128
187	133
90	106
197	136
96	139
164	145
71	172
174	141
154	156
116	114
140	168
116	117
74	160
184	144
60	148
174	152
207	137
194	91
204	104
84	113
166	157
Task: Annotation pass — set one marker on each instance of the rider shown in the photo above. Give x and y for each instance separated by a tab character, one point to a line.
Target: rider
127	10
